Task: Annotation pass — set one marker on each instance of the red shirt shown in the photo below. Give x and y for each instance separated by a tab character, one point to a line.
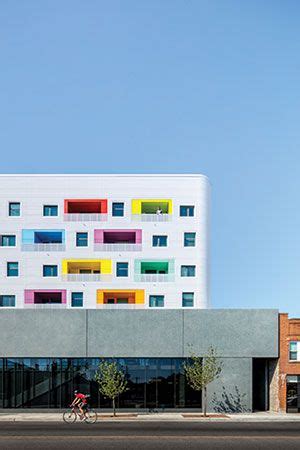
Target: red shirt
82	397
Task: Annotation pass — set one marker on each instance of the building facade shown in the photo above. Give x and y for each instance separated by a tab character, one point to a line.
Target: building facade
46	354
289	364
104	241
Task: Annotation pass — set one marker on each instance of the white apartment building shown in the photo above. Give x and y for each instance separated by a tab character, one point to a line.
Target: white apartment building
104	241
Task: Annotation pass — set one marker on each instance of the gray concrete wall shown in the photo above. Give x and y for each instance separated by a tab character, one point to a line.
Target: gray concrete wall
138	333
232	391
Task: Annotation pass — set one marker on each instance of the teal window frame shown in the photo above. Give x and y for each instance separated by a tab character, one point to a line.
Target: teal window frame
159	240
188	299
12	269
50	210
82	239
77	299
189	239
50	270
7	301
188	271
14	209
117	209
122	269
156	301
187	210
8	240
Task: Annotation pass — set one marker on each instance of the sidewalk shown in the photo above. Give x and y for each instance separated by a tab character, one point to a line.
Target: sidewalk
168	417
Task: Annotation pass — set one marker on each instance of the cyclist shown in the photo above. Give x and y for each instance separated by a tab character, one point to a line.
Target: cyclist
80	401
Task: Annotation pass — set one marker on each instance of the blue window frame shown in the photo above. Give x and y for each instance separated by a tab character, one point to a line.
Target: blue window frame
77	299
7	300
187	211
156	301
50	210
12	269
189	239
14	209
81	239
187	299
50	271
122	269
159	241
118	209
188	271
8	240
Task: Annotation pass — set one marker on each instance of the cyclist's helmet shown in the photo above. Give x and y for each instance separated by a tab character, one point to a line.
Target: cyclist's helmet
75	392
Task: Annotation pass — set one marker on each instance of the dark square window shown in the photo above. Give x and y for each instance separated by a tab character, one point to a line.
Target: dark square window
187	211
14	209
187	299
159	241
81	239
49	271
189	239
156	301
50	210
77	299
122	269
12	269
118	209
8	240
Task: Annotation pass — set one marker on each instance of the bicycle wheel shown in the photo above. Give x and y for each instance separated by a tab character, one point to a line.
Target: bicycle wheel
69	416
90	416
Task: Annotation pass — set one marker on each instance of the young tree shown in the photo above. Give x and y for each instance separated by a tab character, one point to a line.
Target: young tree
111	381
202	371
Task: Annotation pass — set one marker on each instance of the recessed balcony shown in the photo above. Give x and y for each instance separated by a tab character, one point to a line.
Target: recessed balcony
153	271
81	210
118	240
87	270
43	240
43	298
120	299
154	210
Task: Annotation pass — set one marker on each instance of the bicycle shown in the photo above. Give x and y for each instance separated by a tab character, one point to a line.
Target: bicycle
90	416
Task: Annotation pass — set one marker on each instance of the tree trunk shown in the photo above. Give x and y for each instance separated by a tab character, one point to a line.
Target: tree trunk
114	407
204	402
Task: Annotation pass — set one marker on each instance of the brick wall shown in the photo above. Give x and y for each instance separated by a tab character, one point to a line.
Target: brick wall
289	330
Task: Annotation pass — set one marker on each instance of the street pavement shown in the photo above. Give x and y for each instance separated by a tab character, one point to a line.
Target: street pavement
151	435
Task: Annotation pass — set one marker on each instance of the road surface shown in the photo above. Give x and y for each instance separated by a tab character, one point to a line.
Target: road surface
150	435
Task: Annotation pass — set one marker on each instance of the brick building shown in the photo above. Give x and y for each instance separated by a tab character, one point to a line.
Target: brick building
289	364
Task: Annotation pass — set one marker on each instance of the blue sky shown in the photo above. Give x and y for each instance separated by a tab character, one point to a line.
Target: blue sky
170	86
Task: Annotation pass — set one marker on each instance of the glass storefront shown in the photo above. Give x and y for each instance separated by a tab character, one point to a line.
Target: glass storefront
293	393
50	383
